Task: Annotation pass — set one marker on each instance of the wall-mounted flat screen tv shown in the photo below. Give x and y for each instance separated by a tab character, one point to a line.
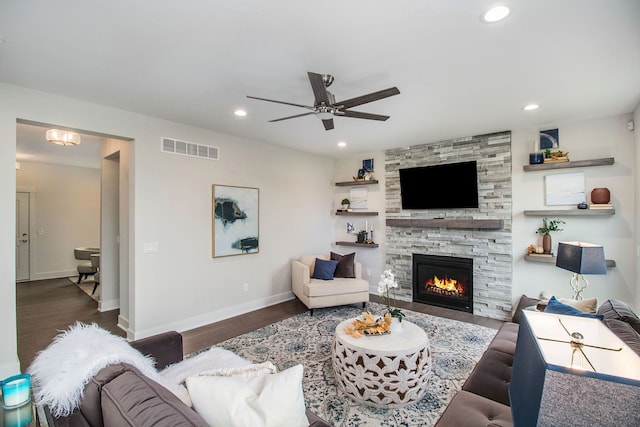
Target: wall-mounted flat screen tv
446	186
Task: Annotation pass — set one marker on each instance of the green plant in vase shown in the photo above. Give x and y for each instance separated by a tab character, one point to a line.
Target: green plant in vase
548	226
345	204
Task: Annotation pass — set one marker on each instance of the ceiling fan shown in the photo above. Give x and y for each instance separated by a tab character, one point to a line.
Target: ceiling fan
325	105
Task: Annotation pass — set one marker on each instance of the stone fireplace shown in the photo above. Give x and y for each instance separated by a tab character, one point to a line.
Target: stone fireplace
444	281
482	235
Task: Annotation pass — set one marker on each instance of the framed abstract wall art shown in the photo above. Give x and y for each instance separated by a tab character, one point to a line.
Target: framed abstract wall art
235	220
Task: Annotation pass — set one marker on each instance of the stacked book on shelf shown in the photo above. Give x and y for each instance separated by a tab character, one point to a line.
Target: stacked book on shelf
600	206
541	255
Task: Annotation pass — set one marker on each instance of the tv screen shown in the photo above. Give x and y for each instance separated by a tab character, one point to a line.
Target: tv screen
448	186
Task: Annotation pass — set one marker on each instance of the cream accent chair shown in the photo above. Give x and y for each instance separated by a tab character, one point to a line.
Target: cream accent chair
316	293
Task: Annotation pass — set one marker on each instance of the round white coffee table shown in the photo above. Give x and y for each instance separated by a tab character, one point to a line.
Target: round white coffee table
385	371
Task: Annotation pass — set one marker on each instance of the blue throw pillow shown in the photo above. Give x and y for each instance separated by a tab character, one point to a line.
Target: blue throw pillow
556	307
324	269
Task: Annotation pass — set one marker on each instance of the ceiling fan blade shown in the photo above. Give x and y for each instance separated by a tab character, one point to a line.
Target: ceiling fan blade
319	89
328	124
359	115
281	102
370	97
291	117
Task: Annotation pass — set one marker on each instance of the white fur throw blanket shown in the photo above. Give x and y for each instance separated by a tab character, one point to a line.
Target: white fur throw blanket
61	371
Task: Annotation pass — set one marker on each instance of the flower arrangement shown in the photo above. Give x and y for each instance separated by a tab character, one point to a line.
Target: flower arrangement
550	225
386	286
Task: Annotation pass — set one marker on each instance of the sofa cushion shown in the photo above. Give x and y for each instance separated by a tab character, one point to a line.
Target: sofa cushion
491	376
506	338
471	410
557	307
524	302
346	265
324	269
132	399
616	309
625	332
248	398
339	286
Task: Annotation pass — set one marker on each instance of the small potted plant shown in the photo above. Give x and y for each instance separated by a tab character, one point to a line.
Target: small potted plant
548	226
345	204
362	236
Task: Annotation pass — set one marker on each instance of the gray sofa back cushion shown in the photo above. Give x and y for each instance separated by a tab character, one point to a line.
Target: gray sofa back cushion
120	395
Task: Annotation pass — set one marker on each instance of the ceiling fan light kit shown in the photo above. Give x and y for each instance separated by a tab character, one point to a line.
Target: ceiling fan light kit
325	106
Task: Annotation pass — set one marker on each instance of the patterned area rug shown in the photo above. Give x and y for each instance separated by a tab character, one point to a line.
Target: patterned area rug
87	287
455	349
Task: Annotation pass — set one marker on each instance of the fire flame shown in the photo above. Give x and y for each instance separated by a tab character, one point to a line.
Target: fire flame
446	284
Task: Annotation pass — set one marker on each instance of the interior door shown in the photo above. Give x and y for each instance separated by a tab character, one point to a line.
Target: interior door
22	237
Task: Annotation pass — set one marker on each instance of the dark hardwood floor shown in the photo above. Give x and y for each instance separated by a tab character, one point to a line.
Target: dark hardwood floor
46	307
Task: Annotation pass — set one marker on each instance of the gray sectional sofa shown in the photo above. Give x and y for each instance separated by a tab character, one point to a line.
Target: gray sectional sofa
120	395
484	398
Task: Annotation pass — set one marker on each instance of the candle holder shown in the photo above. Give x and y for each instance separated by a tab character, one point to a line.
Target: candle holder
16	391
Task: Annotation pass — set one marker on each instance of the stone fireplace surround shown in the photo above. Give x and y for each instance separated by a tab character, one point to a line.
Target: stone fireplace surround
483	234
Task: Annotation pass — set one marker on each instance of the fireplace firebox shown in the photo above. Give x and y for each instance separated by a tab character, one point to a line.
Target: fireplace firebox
444	281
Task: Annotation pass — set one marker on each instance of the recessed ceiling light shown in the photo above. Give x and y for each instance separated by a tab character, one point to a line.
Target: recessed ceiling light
240	113
530	107
342	144
495	14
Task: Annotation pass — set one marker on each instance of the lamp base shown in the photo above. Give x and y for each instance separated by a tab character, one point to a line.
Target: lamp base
576	286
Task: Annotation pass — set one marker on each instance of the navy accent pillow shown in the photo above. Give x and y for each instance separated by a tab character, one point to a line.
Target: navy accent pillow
324	269
346	265
557	307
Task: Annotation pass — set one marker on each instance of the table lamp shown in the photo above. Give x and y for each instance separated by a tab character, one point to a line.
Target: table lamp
581	258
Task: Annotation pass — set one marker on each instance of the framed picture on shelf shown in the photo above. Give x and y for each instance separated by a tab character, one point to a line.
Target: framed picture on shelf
367	165
564	189
549	139
235	222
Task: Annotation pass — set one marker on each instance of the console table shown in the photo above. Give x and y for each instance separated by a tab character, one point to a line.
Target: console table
385	371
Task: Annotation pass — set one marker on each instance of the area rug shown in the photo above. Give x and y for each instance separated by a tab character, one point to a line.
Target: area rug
87	287
455	346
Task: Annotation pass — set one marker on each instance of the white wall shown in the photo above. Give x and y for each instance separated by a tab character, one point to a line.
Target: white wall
67	215
181	286
372	259
589	139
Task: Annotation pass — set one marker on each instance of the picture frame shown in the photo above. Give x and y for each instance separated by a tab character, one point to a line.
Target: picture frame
235	220
549	139
564	189
367	165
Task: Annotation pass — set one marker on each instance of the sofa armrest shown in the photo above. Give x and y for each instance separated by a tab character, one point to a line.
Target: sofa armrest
357	269
300	276
165	348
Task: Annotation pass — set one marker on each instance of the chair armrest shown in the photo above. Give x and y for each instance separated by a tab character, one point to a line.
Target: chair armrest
165	348
300	276
357	268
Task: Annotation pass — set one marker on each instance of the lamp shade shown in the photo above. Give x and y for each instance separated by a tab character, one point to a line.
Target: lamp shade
581	258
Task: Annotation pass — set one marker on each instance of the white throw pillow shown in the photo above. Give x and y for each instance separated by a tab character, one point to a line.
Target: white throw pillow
246	400
174	375
586	305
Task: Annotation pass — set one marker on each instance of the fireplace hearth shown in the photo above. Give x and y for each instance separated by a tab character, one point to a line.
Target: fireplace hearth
444	281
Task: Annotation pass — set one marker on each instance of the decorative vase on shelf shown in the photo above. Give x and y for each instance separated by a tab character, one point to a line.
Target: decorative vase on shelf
546	243
600	196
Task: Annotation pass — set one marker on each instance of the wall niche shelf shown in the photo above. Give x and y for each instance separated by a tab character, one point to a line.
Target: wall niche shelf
349	183
552	260
355	213
570	212
571	164
360	245
485	224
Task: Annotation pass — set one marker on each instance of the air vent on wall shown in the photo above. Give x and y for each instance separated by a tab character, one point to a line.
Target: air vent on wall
185	148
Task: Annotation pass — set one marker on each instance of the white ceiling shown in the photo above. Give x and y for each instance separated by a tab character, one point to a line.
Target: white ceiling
194	62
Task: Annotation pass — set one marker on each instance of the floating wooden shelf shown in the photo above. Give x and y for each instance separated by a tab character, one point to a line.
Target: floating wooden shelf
570	212
357	213
349	183
552	260
485	224
360	245
575	164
